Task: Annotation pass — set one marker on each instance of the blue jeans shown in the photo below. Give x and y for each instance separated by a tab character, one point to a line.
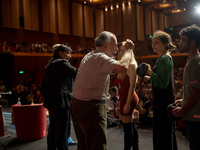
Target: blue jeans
89	121
193	131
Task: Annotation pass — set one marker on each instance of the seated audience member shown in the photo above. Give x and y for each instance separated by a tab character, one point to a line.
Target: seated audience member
113	100
111	105
20	91
30	97
2	88
145	109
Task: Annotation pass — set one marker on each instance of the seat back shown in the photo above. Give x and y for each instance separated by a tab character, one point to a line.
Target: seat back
2	132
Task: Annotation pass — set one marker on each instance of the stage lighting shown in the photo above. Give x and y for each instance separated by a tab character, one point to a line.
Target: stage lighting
198	9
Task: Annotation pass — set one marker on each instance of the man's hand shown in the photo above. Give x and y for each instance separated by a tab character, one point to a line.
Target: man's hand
146	78
177	111
129	44
179	101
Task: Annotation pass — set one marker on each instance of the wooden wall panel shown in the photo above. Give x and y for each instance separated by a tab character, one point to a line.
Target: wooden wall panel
15	14
77	19
154	21
49	16
6	13
148	22
186	17
52	16
26	64
129	22
63	17
140	23
107	20
89	21
161	22
27	14
118	16
112	21
45	15
31	21
10	13
34	15
99	17
166	22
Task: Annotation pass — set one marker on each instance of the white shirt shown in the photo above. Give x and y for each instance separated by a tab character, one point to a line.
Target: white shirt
93	77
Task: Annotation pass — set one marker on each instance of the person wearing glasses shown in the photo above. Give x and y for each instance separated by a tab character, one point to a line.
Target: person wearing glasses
162	79
190	112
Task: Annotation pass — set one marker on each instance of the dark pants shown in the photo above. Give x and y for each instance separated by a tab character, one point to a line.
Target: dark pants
193	131
58	129
164	137
89	120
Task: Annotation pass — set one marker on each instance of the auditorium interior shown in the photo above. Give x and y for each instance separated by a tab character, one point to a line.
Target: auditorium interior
29	29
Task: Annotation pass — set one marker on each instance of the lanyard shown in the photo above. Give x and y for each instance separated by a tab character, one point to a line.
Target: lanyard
187	63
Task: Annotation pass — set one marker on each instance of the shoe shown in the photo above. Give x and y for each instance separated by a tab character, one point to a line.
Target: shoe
71	142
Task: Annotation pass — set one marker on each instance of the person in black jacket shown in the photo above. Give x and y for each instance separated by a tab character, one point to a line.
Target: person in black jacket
58	83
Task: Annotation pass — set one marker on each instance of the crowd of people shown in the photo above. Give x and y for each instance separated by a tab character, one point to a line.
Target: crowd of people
26	91
81	93
31	47
10	46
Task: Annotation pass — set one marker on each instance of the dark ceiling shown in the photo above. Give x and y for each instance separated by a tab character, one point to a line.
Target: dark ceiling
165	6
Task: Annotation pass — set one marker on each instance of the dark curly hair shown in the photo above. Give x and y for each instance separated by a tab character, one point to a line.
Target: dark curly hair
193	33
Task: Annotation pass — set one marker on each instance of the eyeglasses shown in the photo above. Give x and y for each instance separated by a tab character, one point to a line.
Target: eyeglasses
182	40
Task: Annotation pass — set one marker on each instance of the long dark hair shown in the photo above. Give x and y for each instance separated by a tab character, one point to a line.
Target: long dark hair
62	48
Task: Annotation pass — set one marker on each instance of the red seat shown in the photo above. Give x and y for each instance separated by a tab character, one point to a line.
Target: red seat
2	132
30	121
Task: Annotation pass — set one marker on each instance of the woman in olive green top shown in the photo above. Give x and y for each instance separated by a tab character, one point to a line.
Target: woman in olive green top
161	78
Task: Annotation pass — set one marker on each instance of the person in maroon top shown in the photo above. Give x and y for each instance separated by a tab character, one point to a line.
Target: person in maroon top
129	100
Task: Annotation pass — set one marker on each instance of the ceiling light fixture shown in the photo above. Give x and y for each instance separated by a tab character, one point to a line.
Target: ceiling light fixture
90	0
129	3
123	5
184	9
139	1
111	8
85	2
117	6
106	9
198	9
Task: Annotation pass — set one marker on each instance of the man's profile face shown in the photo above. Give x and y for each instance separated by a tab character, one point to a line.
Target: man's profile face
112	47
184	44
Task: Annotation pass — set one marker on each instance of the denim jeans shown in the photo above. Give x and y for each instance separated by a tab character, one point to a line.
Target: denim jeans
193	131
89	120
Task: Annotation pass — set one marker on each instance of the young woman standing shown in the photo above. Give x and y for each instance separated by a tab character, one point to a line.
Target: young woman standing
128	100
162	79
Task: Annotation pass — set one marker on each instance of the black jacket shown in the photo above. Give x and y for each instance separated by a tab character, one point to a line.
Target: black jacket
57	85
